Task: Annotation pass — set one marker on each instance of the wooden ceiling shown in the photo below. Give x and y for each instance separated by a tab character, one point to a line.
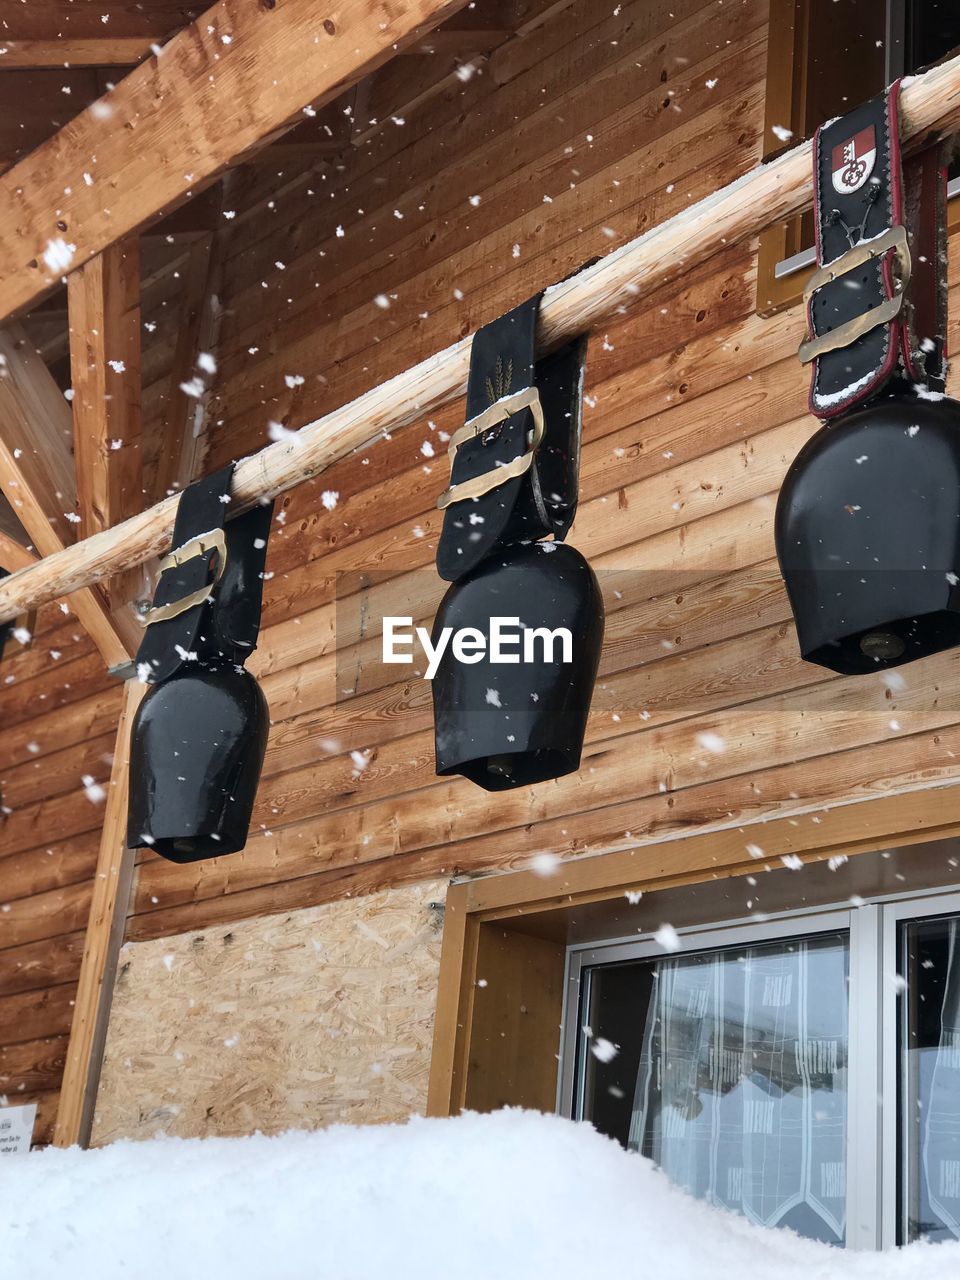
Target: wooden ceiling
57	56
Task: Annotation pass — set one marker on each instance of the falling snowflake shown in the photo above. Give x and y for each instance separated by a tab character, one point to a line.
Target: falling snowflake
277	431
544	864
93	790
604	1050
58	255
668	938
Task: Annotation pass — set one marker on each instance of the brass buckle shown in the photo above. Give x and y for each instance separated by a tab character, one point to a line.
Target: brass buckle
529	398
895	238
203	543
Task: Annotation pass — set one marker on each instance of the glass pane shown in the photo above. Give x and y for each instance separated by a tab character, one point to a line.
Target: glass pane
729	1069
930	1081
847	57
933	31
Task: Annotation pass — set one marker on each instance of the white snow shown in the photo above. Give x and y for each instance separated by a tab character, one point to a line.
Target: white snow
505	1196
58	255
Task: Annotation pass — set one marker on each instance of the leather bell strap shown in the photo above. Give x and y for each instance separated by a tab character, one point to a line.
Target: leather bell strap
876	308
5	627
514	465
208	600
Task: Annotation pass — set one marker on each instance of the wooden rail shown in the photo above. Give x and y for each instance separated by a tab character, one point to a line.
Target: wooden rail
930	108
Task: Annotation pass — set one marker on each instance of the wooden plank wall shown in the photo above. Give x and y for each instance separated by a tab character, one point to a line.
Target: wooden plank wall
563	144
59	712
466	196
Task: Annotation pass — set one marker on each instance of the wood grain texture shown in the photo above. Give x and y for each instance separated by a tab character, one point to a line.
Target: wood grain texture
38	479
104	318
930	104
229	79
104	935
339	1029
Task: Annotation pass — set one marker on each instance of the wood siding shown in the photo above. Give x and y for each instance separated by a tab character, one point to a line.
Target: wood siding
469	193
59	723
565	142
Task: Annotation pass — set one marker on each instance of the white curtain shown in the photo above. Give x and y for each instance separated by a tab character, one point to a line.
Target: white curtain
741	1092
940	1120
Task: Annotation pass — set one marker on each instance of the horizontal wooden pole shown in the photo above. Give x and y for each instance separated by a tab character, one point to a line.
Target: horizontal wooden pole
930	108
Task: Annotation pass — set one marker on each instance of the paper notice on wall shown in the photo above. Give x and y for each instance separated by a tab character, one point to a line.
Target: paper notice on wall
16	1129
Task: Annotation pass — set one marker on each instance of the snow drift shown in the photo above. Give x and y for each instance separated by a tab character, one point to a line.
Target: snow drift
492	1197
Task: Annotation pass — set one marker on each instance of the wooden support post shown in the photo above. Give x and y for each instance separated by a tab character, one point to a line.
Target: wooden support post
103	303
112	886
930	105
37	479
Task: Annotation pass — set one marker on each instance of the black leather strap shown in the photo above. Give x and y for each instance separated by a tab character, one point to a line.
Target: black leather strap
5	627
542	500
868	203
224	624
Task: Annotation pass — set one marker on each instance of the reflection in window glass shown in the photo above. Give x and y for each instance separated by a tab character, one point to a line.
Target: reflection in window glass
930	1081
730	1072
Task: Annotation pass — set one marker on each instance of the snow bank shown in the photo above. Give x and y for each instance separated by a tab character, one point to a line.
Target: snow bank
494	1197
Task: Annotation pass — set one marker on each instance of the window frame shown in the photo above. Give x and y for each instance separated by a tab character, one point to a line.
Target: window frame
784	265
873	1204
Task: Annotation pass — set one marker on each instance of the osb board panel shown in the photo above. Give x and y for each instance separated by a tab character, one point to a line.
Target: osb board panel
288	1021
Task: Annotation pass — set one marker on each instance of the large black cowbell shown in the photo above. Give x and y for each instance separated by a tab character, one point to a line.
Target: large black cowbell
514	474
200	733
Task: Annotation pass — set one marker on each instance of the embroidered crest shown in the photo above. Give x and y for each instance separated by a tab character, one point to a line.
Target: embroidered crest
852	161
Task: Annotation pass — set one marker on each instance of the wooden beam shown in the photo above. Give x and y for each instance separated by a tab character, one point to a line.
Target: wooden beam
118	51
13	554
930	106
184	440
236	74
103	304
113	882
37	479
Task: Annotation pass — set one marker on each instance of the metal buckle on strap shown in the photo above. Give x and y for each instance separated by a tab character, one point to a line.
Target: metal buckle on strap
201	545
529	398
895	238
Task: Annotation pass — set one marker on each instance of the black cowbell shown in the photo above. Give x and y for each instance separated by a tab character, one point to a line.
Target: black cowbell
195	759
868	535
507	725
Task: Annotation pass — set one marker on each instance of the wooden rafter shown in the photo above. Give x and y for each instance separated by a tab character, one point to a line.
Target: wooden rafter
103	300
37	479
930	106
236	74
112	885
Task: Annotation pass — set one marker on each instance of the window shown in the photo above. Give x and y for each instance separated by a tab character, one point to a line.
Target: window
824	57
804	1071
